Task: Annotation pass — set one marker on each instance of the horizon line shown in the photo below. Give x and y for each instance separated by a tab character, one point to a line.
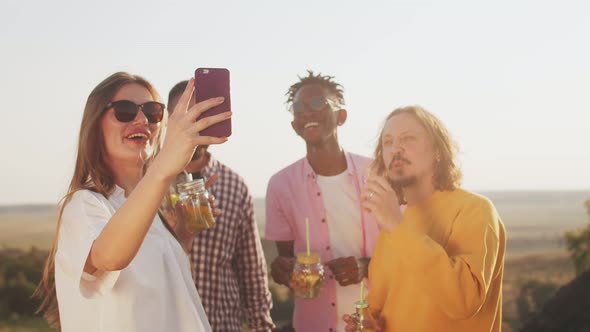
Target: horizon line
3	205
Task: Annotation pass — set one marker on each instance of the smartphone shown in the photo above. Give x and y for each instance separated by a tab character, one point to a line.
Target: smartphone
211	83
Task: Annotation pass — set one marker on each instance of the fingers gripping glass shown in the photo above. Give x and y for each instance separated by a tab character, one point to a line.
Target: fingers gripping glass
314	105
126	110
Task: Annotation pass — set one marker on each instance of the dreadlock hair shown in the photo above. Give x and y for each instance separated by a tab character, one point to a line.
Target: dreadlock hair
324	81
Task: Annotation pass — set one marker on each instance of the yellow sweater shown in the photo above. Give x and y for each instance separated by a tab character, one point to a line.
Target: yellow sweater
441	268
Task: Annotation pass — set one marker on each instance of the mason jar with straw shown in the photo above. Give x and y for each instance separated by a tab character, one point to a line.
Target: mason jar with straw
363	321
308	272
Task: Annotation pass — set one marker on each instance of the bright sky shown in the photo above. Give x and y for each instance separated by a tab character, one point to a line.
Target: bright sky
509	78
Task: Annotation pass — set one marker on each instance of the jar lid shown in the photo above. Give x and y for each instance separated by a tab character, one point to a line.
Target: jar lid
198	184
312	258
361	304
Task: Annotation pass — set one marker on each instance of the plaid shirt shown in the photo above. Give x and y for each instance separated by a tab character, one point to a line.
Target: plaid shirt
228	262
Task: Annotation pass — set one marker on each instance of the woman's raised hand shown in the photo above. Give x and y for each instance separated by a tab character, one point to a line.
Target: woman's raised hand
182	132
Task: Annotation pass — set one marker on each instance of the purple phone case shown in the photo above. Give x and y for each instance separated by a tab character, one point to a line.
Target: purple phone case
211	83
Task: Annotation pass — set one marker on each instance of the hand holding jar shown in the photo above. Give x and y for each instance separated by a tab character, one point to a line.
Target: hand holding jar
195	212
362	320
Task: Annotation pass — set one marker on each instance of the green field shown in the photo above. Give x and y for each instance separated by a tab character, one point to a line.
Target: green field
25	227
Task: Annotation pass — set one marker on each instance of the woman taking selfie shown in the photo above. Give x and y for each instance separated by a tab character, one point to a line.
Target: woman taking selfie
117	266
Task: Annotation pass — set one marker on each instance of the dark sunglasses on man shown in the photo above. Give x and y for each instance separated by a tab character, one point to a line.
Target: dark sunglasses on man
126	110
316	104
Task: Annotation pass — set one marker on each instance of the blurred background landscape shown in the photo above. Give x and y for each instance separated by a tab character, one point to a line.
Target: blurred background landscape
537	261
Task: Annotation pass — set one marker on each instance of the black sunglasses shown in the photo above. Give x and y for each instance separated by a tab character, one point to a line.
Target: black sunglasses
316	104
126	110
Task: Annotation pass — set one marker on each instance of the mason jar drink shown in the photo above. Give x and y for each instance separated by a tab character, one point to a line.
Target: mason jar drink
308	276
363	321
194	206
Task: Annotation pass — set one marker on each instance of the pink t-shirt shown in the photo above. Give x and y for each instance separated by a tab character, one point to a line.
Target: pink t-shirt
293	195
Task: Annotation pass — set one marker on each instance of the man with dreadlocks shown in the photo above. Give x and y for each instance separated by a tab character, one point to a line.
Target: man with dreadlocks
325	188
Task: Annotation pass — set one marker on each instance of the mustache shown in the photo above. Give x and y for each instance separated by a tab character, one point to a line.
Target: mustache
397	157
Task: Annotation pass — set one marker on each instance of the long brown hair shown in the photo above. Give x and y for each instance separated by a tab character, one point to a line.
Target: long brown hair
447	175
91	173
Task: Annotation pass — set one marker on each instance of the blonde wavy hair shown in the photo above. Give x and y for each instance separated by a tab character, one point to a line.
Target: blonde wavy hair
447	175
91	173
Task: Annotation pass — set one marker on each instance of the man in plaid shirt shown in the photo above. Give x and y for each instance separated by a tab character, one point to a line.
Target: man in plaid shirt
227	261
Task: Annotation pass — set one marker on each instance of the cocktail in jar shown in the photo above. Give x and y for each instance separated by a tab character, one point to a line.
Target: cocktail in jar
194	206
363	321
308	275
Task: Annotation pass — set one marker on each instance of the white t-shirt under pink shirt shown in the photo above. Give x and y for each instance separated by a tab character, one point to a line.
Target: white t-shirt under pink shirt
343	213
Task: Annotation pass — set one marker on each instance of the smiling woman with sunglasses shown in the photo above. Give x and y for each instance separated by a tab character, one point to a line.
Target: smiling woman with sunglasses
114	265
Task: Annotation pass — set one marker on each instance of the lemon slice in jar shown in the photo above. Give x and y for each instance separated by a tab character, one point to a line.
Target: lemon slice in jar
173	200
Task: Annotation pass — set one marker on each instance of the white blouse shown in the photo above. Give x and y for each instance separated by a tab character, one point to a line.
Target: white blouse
154	293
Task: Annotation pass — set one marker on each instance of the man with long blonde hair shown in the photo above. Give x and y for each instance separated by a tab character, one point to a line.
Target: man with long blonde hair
438	265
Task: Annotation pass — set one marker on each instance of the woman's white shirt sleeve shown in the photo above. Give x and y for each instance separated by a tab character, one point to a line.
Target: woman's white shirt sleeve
83	219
